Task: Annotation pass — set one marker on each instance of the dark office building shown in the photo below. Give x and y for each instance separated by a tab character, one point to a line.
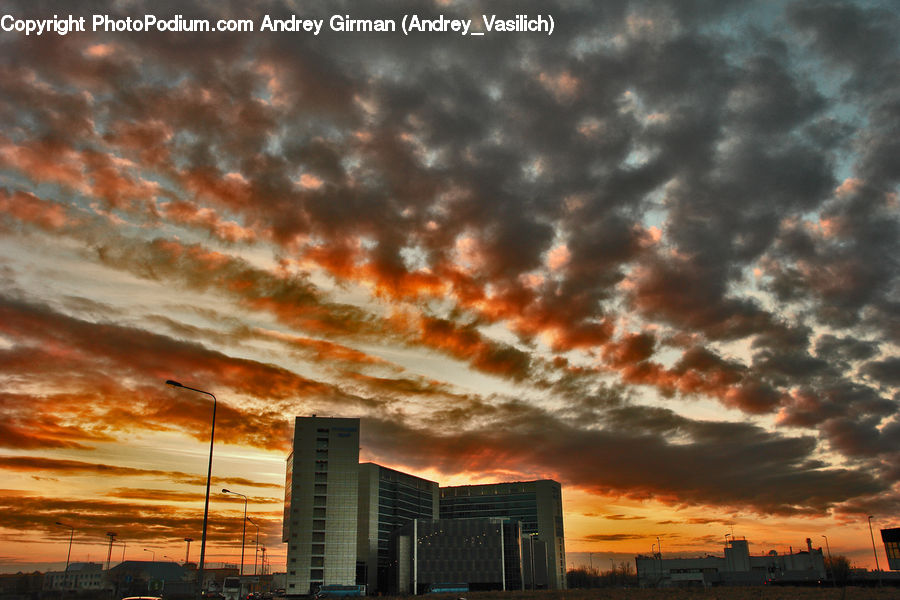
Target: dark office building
891	539
388	499
485	554
536	504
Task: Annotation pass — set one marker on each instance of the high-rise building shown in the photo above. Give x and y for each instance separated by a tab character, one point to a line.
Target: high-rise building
536	504
320	504
388	499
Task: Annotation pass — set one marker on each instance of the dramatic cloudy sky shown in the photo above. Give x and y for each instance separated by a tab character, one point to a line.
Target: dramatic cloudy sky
653	256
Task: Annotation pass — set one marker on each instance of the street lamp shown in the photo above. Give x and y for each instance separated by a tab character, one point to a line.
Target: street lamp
726	539
152	554
187	552
212	436
874	551
69	554
256	546
244	530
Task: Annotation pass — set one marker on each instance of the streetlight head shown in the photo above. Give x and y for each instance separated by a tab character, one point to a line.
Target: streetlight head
173	383
224	491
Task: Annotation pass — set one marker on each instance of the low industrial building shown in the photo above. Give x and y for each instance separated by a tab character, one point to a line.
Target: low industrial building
736	567
149	578
21	586
80	576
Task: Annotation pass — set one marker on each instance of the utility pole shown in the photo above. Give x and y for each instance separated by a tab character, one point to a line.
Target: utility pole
112	537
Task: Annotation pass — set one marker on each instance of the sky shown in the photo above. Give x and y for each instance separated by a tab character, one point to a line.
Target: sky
651	254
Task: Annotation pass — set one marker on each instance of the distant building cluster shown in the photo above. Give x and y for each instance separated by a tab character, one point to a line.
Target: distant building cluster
736	567
351	524
154	578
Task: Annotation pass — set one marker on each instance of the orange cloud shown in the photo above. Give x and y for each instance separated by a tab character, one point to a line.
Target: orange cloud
66	466
54	349
28	208
188	213
129	520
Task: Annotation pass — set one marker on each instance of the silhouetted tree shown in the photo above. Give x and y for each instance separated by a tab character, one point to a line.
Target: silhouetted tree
838	568
621	575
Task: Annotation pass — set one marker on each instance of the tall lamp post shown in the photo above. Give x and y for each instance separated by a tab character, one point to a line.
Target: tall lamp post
152	554
69	553
874	551
244	530
187	551
533	578
256	546
212	437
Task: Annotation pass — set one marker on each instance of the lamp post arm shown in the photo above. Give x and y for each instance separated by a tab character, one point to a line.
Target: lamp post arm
212	438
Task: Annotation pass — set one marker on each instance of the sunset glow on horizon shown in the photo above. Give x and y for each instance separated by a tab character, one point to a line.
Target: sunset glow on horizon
652	256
